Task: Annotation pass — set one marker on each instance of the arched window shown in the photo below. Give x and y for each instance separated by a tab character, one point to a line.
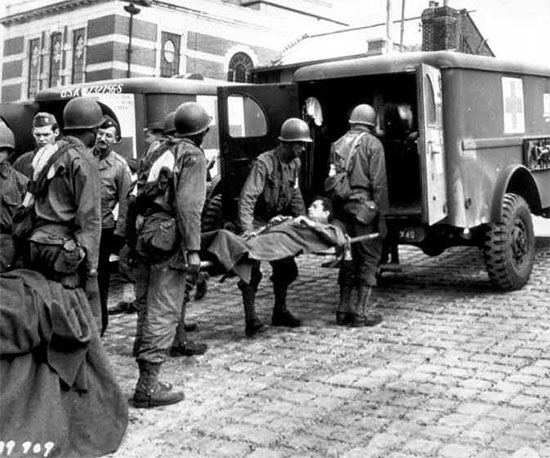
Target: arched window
239	68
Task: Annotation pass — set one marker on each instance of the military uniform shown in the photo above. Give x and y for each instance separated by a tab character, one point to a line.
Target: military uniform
13	187
271	189
69	210
161	274
367	179
115	179
23	164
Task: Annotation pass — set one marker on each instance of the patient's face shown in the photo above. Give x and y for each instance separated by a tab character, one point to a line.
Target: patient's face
317	212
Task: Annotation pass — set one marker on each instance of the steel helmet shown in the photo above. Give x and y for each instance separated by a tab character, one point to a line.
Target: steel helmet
82	113
295	130
7	140
363	114
191	119
169	126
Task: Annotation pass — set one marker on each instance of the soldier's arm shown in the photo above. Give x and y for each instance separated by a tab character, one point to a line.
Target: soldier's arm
297	205
190	197
123	182
377	174
86	184
253	187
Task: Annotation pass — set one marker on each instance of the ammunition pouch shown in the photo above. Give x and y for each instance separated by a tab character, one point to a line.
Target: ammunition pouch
55	252
363	210
157	235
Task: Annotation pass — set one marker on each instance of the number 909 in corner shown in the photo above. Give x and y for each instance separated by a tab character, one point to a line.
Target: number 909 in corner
25	448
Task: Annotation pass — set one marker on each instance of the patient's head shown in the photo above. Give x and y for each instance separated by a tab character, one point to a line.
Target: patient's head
320	210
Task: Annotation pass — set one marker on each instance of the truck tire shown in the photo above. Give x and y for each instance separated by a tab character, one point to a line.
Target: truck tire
509	246
211	218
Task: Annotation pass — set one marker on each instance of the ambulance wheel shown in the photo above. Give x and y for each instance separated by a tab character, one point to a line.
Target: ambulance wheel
509	246
211	219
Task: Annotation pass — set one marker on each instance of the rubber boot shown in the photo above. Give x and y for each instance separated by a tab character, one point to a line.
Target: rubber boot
253	325
344	315
362	316
149	392
281	315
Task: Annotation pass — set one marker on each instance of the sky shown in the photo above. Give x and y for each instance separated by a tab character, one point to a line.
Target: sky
515	29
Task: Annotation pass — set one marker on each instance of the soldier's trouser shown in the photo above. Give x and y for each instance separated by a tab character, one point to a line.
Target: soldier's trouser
104	274
159	316
285	271
365	256
7	252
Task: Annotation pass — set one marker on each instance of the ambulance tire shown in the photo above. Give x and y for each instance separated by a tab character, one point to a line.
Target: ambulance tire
509	246
211	219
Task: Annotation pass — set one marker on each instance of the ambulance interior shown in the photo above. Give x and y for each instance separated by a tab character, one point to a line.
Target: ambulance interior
327	104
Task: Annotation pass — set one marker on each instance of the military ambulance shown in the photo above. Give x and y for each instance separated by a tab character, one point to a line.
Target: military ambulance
467	143
136	103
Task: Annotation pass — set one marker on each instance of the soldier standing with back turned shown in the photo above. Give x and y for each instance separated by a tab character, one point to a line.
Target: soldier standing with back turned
168	242
360	200
64	243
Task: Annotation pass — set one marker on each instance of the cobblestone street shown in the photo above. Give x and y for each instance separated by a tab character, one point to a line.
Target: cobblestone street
455	370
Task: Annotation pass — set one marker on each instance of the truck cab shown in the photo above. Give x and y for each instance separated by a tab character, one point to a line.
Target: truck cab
466	138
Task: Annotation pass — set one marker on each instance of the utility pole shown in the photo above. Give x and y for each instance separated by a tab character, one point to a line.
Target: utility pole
389	41
401	38
133	10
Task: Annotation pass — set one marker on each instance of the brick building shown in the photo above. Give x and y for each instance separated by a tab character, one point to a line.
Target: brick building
50	43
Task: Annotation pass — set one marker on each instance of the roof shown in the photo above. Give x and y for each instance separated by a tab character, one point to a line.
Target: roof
141	85
349	42
409	61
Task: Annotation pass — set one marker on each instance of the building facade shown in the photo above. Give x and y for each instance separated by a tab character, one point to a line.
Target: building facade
49	44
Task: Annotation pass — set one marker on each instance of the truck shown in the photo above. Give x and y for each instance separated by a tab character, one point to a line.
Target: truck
466	138
134	103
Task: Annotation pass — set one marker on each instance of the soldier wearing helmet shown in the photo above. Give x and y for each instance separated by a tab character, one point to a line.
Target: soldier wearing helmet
115	178
357	185
170	203
272	190
45	130
13	187
64	244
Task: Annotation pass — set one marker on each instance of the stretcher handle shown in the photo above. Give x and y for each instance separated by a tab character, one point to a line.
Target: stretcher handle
362	238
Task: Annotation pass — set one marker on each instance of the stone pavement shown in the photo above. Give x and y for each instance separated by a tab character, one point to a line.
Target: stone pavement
456	370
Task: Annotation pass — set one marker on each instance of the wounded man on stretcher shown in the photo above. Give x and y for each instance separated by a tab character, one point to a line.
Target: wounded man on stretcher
283	237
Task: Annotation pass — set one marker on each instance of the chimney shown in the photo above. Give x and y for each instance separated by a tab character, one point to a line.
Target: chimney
440	27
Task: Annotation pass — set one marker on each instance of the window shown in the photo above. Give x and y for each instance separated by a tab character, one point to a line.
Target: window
240	66
34	67
431	114
170	54
246	118
79	47
56	55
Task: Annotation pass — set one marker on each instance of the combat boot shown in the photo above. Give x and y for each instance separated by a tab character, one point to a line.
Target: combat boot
362	316
253	325
281	315
150	392
344	315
